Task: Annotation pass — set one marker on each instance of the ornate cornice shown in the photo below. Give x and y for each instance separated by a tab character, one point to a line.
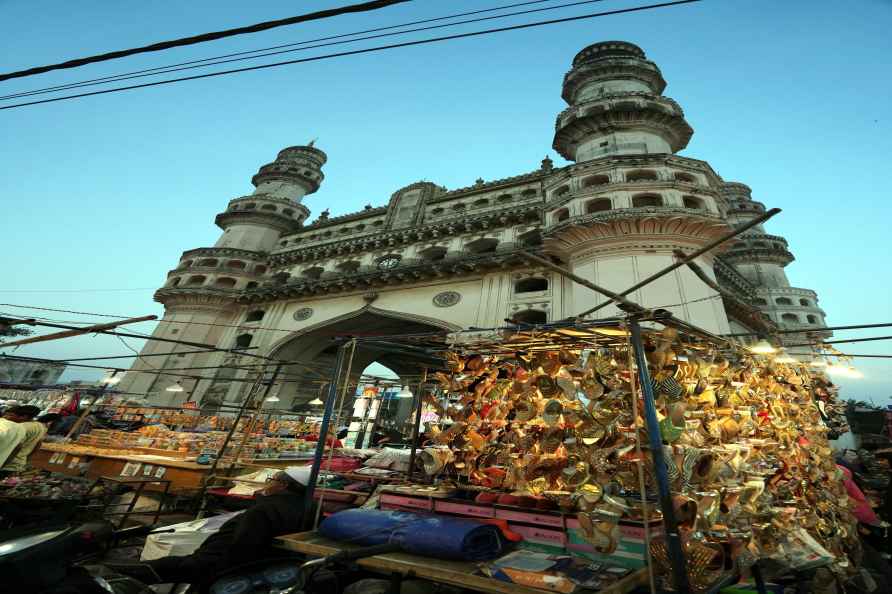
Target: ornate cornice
632	223
399	237
621	111
413	272
730	278
492	185
201	298
277	221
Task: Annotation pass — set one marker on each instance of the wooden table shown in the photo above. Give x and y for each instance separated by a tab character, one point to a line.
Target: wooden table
456	573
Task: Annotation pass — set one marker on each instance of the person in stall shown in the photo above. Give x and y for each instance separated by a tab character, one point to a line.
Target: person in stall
34	432
11	435
246	538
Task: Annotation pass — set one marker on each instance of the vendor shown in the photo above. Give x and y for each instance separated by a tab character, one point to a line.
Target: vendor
34	432
243	539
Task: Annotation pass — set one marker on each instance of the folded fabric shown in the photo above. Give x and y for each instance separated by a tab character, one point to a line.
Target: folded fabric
426	535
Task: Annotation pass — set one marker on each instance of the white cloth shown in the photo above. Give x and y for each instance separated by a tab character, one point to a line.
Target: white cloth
34	433
11	435
185	539
301	474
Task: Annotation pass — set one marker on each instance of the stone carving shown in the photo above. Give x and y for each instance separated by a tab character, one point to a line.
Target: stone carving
304	313
447	298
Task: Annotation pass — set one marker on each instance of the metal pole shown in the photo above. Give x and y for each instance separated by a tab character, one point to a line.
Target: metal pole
89	407
696	254
323	432
419	404
670	525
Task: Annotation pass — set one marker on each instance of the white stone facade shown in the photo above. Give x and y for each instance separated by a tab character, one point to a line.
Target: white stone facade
434	258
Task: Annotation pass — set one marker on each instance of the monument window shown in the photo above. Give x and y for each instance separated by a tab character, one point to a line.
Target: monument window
530	316
645	200
186	264
349	267
530	238
595	180
255	316
432	254
505	198
250	206
640	175
760	301
482	246
269	207
224	282
599	205
789	317
437	211
812	319
561	215
685	177
783	301
562	191
236	264
528	193
804	303
243	341
314	272
759	244
692	202
209	262
196	280
459	206
480	203
288	211
531	285
174	282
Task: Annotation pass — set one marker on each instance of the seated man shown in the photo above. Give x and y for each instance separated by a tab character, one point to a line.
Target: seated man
34	432
242	539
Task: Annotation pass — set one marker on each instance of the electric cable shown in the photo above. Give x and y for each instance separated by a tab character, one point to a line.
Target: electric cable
359	51
264	52
205	37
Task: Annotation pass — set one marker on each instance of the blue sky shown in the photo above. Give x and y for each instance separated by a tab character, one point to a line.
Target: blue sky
101	195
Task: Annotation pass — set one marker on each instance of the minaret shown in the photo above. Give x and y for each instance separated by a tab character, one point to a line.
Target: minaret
629	203
616	106
761	258
199	295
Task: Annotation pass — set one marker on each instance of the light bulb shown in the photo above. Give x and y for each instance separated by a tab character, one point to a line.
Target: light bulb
272	399
762	347
819	362
315	402
175	388
784	357
404	393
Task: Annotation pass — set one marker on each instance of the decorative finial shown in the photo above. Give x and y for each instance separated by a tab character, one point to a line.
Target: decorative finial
323	216
367	207
312	142
479	181
547	164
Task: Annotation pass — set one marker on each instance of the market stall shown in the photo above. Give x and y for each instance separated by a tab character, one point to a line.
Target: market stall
662	447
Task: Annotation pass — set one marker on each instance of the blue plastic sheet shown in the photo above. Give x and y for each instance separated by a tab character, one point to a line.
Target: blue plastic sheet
426	535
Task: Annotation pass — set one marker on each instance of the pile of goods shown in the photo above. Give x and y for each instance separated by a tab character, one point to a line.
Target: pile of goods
748	460
45	486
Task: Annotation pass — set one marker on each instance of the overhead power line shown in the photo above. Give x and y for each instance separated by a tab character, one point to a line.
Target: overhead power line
204	37
213	60
360	51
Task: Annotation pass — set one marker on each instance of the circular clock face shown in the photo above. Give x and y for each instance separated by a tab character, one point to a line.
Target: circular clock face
388	262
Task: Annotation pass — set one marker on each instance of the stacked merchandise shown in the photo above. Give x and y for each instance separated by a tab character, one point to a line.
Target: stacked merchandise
547	421
47	486
365	415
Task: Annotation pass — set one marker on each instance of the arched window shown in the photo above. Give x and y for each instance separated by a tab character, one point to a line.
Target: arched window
528	193
812	319
562	191
314	272
530	316
251	285
760	301
259	269
459	206
481	202
685	177
208	262
271	207
378	223
186	264
327	234
531	285
484	245
595	180
174	281
692	202
437	211
783	301
224	282
599	205
645	200
349	266
530	238
432	254
359	228
759	244
640	175
243	341
250	206
287	211
804	303
255	316
195	281
504	198
789	317
561	215
345	230
236	265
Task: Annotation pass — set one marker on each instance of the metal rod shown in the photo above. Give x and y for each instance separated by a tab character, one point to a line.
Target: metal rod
822	329
693	255
584	282
843	355
323	432
74	330
804	344
670	525
419	404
